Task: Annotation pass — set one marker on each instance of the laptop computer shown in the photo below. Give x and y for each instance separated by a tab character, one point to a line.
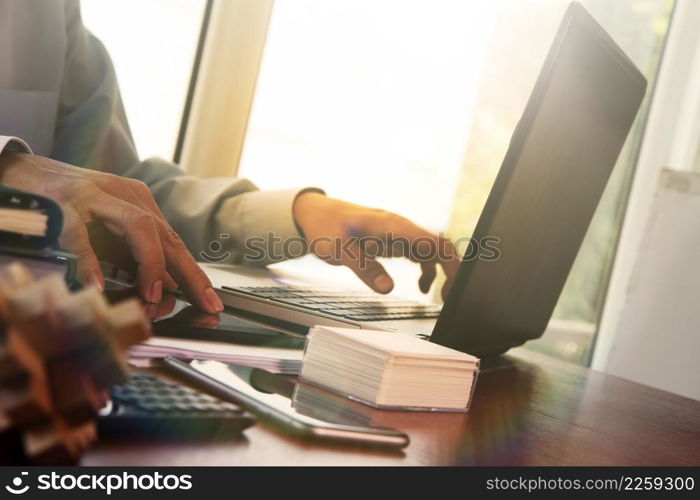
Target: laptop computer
548	187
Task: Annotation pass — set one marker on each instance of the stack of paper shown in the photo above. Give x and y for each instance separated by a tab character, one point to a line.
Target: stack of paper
272	359
389	370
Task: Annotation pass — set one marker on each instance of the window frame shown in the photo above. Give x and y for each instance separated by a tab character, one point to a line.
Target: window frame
217	119
670	139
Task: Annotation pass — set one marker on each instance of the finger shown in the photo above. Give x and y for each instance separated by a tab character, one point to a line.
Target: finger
449	261
143	197
136	193
427	276
144	194
406	239
162	308
445	291
371	272
169	282
373	246
75	238
143	239
182	269
209	321
194	282
123	188
146	201
399	236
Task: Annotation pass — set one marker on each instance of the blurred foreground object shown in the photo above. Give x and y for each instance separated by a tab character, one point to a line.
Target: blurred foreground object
30	226
59	354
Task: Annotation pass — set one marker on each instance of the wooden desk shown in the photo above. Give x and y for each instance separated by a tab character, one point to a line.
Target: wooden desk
529	409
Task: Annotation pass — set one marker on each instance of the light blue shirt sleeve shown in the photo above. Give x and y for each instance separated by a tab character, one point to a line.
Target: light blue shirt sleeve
8	143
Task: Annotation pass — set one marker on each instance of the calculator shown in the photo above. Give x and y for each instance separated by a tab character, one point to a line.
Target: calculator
151	406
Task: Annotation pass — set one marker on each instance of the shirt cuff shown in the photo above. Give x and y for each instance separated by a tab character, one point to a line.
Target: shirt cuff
8	143
270	233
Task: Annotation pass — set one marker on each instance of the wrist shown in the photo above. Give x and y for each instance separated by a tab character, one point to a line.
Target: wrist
305	205
7	160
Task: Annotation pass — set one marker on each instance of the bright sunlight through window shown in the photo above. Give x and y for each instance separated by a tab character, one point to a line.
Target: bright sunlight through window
376	102
152	44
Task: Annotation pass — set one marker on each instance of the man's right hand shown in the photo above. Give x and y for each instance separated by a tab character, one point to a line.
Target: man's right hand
126	208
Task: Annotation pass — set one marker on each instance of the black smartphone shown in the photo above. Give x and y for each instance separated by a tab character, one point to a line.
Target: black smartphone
186	321
175	317
296	408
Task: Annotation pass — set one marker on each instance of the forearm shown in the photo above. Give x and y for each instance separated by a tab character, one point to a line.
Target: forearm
224	219
8	143
92	132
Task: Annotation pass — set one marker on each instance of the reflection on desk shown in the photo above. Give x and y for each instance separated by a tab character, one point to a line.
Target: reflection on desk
528	409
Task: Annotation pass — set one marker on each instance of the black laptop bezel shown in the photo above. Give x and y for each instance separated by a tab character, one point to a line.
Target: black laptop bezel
451	329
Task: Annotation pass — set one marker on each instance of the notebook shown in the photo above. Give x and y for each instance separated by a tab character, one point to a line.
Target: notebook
272	359
389	370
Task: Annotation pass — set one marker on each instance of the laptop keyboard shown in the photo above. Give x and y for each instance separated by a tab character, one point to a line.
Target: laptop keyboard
357	306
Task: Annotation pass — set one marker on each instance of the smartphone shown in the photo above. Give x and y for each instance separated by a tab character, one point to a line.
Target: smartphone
296	408
175	317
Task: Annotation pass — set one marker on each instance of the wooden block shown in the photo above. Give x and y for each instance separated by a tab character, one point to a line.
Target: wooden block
34	298
32	312
73	392
11	446
18	406
15	276
57	444
80	321
58	355
49	330
129	322
35	366
108	369
78	438
16	273
85	326
12	278
11	370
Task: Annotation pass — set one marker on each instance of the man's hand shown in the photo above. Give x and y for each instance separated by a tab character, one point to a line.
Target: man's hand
345	234
127	210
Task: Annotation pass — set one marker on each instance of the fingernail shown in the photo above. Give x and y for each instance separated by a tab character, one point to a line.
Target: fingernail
94	279
213	301
383	283
151	310
156	292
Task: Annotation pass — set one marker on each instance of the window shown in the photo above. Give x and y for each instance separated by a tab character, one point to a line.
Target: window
152	44
371	100
410	105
